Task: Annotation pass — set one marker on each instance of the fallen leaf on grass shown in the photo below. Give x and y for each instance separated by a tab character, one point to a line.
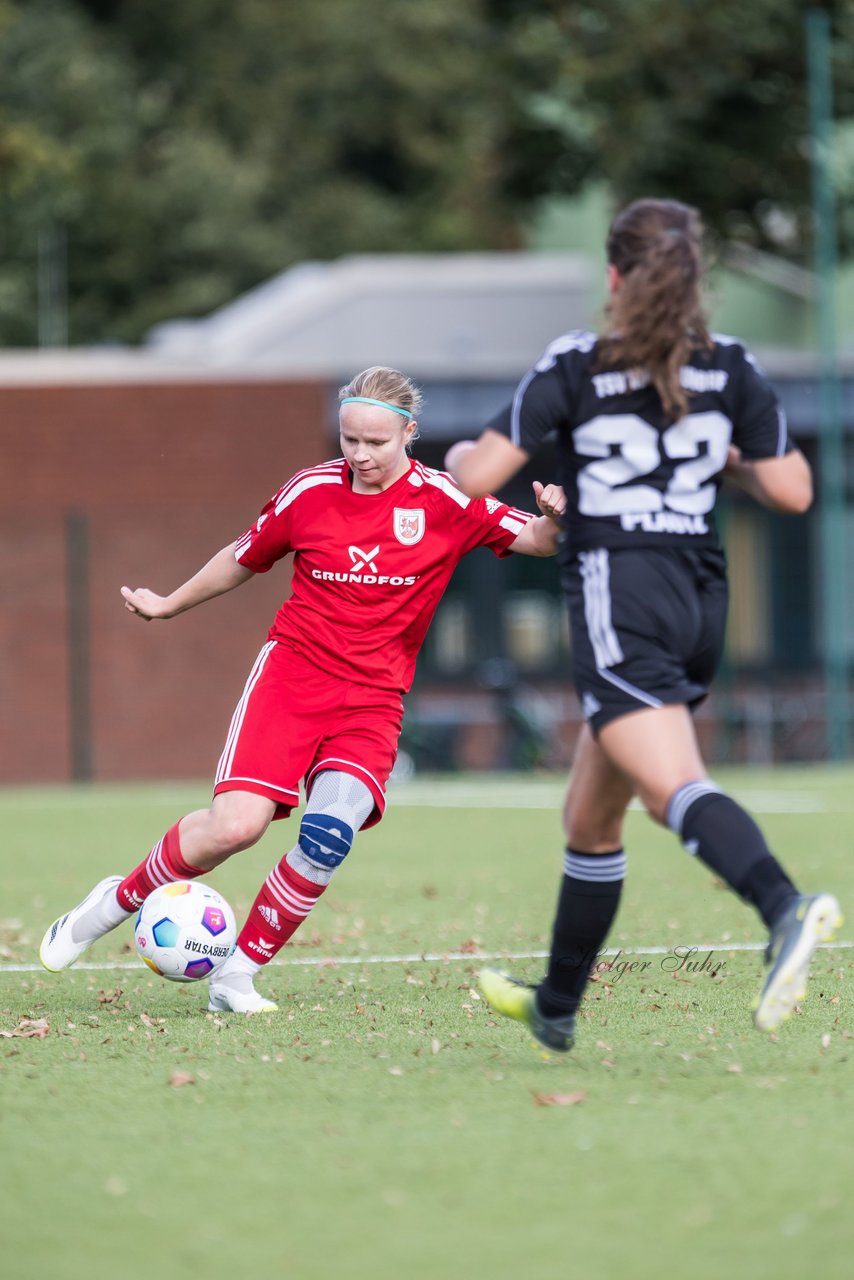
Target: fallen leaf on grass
110	997
558	1099
28	1029
179	1078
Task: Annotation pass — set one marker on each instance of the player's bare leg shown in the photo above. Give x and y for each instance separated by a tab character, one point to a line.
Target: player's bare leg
657	749
236	820
597	797
199	842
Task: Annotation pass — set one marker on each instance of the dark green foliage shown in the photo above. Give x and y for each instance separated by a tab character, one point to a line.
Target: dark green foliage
187	151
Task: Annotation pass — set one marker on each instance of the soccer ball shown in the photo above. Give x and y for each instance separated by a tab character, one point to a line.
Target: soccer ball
185	930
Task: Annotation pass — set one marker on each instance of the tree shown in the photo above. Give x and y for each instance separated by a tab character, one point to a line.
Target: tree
192	150
188	151
704	102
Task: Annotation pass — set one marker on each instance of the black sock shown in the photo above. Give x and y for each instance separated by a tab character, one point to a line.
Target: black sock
586	906
725	837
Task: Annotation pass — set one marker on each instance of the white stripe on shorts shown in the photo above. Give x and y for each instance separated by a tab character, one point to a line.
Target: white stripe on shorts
596	585
226	760
632	689
350	766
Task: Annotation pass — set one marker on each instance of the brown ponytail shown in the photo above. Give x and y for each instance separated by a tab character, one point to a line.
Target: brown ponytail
655	316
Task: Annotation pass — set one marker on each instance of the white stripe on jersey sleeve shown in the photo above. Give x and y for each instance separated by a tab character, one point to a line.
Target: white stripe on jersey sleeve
512	526
323	468
310	482
727	340
441	480
576	340
782	432
516	411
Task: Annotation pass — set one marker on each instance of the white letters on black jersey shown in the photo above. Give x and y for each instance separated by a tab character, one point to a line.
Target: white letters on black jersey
632	477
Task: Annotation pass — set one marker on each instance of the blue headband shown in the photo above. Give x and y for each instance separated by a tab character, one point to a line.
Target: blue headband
383	404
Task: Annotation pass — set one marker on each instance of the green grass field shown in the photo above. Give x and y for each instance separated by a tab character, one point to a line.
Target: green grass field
383	1124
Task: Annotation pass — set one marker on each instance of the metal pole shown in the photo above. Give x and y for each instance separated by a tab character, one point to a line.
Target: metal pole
833	569
79	645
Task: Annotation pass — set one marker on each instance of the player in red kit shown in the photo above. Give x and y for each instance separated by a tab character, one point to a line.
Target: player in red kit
375	537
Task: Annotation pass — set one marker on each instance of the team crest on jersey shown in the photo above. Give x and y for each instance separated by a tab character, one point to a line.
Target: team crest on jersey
408	526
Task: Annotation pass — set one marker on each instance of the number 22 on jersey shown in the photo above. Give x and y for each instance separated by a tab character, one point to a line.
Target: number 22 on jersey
627	449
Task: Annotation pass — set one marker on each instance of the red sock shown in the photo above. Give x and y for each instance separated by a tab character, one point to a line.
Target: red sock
284	900
163	865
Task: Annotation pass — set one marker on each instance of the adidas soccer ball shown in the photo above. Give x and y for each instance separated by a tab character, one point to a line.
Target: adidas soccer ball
185	930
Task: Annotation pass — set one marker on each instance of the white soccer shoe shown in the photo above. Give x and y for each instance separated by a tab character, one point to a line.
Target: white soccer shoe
235	993
809	921
60	948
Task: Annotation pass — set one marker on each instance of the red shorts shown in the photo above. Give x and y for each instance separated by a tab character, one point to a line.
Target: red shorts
294	721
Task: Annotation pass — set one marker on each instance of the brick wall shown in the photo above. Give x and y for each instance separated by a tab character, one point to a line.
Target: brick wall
154	479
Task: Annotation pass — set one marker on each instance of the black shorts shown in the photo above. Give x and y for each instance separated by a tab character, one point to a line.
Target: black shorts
647	627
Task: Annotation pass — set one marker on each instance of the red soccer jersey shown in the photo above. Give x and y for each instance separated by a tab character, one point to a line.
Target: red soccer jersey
370	569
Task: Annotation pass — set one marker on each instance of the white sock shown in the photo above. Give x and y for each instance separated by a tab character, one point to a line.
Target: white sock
238	970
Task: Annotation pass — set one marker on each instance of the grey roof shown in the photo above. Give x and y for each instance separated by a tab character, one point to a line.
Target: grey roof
434	315
443	318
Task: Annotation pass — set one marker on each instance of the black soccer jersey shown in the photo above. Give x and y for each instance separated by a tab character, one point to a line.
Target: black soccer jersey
631	477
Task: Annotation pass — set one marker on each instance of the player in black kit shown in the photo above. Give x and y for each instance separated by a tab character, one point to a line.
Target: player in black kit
649	417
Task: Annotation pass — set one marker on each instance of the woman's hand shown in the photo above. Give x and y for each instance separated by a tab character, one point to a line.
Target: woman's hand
146	604
221	573
551	499
541	535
